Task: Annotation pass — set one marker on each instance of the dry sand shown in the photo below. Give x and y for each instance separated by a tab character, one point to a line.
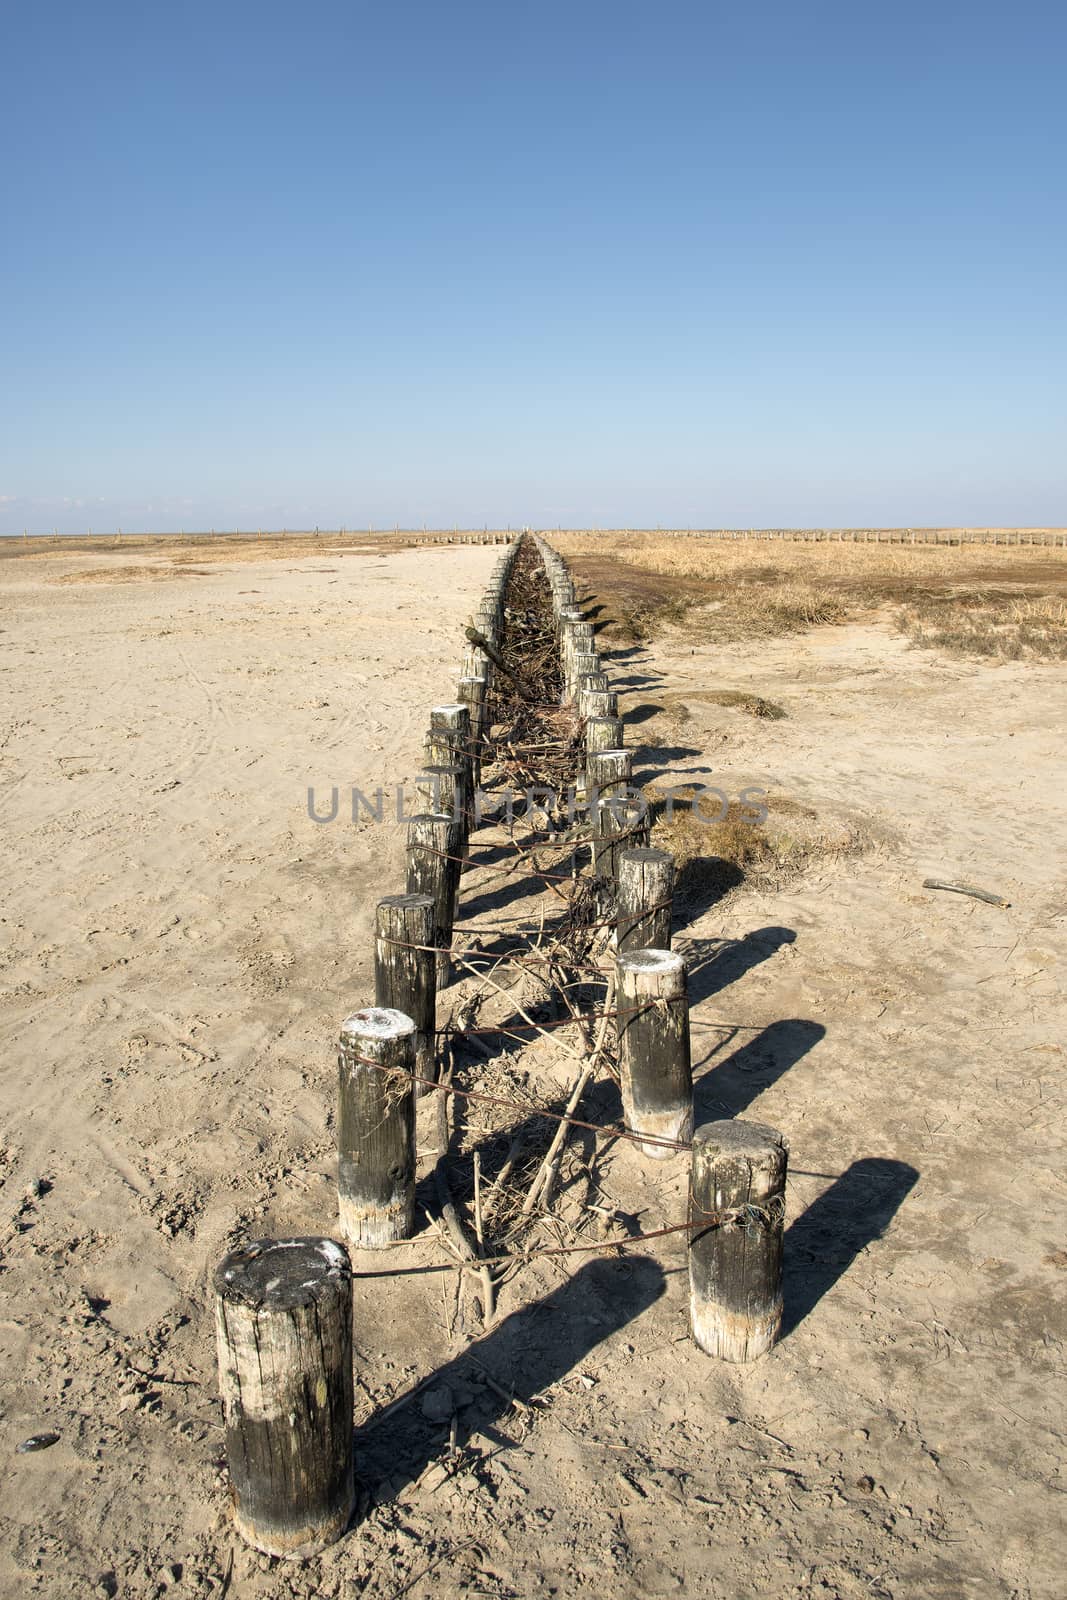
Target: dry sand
180	942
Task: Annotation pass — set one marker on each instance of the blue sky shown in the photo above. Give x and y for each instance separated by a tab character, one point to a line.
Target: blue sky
578	264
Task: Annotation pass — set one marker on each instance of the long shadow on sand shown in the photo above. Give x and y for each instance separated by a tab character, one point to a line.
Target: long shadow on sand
729	1087
716	963
530	1350
822	1244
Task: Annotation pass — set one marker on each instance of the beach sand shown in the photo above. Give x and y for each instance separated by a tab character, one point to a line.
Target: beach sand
180	942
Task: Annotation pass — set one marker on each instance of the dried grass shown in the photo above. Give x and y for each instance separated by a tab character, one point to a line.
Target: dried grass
126	574
714	856
981	625
990	600
677	705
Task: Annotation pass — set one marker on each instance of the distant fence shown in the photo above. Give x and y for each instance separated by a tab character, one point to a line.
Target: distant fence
464	538
1049	537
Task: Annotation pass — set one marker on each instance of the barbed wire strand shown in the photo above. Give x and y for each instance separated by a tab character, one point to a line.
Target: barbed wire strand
749	1216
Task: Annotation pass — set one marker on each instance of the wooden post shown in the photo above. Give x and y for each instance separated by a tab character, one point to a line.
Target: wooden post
582	662
453	718
453	722
435	848
618	825
442	790
593	680
737	1181
441	748
405	971
646	890
444	749
472	694
577	641
598	702
603	733
376	1127
486	624
607	772
283	1321
654	1063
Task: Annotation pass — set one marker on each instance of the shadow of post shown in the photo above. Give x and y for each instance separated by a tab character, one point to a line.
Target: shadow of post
729	1087
823	1242
499	898
644	712
715	963
530	1350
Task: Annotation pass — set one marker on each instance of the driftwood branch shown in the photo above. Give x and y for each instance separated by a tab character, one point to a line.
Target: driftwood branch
967	888
480	642
548	1171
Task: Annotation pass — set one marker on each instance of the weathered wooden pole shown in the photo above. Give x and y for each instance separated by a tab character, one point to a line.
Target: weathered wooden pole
435	850
472	689
451	724
582	663
444	752
445	786
654	1062
577	641
472	664
453	718
405	970
441	789
607	773
603	733
618	825
597	702
645	893
737	1182
484	658
283	1321
441	747
376	1127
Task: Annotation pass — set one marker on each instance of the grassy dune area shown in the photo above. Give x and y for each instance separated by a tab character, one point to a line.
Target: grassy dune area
987	600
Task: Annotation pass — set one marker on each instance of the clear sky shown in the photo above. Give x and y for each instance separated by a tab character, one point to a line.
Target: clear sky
582	264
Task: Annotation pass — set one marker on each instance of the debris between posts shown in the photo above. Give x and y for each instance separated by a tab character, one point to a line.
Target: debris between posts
449	1215
480	642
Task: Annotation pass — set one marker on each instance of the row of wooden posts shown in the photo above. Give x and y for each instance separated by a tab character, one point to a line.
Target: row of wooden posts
463	538
284	1307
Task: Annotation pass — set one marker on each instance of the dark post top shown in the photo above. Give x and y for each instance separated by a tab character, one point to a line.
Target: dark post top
281	1273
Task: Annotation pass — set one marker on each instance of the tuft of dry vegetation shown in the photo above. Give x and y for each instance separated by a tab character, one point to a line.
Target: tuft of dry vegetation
753	704
127	574
715	853
638	623
997	626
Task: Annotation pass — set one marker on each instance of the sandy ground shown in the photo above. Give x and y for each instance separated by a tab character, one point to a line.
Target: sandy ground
180	941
